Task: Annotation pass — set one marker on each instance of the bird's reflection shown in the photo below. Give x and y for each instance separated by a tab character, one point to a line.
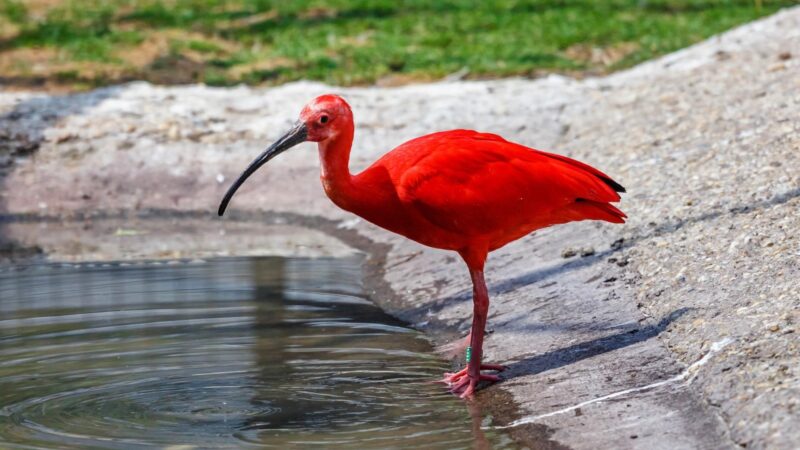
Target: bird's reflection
281	388
269	354
481	442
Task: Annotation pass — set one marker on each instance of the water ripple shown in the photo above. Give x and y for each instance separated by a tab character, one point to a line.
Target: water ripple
237	353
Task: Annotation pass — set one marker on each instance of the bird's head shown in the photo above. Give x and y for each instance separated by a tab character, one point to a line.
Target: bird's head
322	119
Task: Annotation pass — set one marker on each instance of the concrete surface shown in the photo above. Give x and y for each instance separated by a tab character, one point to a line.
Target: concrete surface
676	330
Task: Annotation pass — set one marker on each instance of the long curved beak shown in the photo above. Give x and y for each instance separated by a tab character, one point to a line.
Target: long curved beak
296	135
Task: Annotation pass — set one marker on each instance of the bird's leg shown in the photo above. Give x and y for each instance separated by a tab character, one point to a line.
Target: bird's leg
465	382
458	347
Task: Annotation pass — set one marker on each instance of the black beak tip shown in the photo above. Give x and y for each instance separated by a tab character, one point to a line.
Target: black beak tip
296	135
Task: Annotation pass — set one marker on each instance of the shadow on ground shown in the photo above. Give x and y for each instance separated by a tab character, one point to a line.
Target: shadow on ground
562	357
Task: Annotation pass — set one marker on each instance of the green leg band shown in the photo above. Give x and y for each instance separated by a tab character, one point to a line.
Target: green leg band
469	354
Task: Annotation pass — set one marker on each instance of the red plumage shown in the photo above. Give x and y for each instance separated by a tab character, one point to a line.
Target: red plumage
460	188
455	190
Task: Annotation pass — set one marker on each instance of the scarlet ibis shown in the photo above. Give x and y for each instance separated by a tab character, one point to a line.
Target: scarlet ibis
455	190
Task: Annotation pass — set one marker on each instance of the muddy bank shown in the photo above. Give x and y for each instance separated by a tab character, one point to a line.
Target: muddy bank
677	330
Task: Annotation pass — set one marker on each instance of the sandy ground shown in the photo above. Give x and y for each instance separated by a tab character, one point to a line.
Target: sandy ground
676	330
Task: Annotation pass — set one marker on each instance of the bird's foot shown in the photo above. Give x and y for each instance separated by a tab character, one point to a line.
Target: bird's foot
450	378
463	385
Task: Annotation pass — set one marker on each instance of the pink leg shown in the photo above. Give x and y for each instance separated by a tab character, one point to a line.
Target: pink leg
465	382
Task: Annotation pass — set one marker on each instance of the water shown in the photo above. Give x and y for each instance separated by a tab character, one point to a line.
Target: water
229	353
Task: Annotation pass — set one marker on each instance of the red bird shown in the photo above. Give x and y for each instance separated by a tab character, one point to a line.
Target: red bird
455	190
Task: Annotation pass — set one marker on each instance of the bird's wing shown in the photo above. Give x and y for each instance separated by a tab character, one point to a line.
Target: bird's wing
477	183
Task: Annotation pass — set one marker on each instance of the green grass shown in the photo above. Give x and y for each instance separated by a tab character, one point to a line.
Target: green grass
356	41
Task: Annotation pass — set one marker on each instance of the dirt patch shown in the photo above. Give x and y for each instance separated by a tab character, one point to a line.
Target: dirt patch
174	69
601	57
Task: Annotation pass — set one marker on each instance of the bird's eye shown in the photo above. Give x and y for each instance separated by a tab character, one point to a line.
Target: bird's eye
323	119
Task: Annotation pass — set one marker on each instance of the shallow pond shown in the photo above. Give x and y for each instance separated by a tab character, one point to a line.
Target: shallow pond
227	353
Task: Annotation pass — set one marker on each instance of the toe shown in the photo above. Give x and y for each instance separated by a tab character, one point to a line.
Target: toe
493	378
460	385
450	378
468	393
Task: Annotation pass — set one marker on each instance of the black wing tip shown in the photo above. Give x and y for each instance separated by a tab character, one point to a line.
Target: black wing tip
614	185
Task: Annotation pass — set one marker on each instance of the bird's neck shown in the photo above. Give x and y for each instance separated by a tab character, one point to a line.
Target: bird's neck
334	156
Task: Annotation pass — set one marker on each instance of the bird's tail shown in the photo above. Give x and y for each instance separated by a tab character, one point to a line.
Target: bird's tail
593	210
